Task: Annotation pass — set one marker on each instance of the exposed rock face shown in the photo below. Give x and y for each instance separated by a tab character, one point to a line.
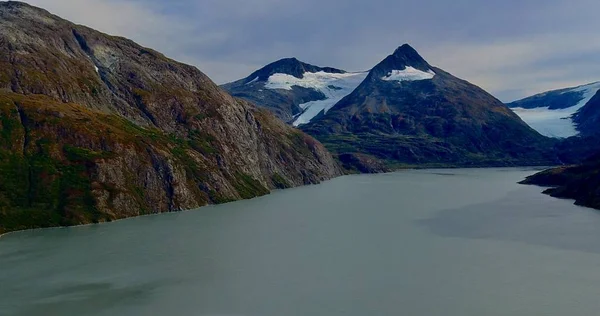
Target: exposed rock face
95	128
407	112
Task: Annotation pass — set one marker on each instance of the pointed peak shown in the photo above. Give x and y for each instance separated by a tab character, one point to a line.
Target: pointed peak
405	49
403	57
409	54
285	61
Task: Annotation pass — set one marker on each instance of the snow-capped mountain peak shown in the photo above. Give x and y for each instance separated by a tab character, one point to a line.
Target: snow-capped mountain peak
296	91
289	66
408	54
405	64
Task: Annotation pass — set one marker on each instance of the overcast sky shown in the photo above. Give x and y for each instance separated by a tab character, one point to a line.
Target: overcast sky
512	48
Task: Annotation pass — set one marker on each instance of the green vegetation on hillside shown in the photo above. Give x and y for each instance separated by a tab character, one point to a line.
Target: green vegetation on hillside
49	151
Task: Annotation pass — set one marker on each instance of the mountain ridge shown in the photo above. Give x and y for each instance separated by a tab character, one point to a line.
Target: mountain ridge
294	90
291	66
96	128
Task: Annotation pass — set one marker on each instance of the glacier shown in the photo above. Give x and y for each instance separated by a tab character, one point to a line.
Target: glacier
557	123
335	86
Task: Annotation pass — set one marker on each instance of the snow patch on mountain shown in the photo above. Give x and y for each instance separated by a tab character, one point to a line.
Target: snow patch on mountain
335	86
557	123
316	80
253	81
409	74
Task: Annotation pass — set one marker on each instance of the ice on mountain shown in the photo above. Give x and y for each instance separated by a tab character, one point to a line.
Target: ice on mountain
335	86
253	81
409	74
557	123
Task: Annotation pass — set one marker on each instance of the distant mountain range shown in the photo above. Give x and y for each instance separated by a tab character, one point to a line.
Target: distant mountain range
561	113
402	112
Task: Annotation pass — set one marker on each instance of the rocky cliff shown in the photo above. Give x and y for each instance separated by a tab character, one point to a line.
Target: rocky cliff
95	128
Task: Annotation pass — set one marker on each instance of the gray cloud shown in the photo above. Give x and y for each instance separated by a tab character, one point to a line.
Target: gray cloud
512	48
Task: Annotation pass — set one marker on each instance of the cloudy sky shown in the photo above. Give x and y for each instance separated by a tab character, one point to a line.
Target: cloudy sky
512	48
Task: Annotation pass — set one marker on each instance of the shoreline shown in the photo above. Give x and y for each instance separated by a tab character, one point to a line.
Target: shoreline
163	213
270	192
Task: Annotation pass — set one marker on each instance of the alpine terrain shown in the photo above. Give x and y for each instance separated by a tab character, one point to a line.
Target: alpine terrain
407	112
581	181
587	119
556	113
295	91
95	128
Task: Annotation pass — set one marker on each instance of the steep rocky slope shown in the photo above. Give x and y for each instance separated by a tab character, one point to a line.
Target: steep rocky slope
95	128
407	112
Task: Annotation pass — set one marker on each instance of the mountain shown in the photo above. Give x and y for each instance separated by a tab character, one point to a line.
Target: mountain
587	119
295	91
580	182
579	149
552	113
407	112
95	128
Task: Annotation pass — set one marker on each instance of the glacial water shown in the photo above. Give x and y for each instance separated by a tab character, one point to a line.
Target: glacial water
428	242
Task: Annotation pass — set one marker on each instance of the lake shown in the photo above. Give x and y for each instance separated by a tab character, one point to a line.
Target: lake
425	242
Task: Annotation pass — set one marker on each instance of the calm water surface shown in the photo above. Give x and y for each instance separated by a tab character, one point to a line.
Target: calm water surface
429	242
